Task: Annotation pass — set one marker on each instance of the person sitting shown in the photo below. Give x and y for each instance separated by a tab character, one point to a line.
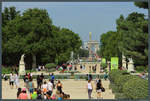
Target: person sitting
23	94
143	76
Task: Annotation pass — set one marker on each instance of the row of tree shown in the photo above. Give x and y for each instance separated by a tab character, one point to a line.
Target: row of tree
130	39
33	34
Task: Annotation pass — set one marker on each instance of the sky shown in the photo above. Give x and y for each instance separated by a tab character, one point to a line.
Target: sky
83	17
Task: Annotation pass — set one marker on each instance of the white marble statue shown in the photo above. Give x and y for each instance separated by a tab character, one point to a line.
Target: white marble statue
130	65
22	66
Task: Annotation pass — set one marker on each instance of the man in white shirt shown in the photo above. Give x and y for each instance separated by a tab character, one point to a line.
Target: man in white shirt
50	87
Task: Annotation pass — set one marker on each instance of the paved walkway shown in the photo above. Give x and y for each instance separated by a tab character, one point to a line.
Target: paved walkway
76	89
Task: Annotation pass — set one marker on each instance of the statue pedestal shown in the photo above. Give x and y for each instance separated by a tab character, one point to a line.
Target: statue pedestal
22	66
21	69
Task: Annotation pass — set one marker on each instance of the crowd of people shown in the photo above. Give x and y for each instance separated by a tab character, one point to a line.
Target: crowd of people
43	90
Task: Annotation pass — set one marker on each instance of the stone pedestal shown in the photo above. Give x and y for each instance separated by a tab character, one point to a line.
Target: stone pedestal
22	66
130	65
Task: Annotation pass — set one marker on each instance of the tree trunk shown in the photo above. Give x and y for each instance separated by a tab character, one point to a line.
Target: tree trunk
34	61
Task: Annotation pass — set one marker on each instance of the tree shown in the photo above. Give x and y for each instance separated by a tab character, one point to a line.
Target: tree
142	4
33	34
83	53
34	31
109	46
134	31
9	14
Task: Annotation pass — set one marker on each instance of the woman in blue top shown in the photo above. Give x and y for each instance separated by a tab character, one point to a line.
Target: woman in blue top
52	79
31	86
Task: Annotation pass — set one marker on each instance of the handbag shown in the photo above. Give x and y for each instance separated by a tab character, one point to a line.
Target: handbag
103	89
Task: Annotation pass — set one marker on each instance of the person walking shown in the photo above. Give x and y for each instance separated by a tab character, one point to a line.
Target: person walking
44	89
41	79
12	79
50	87
17	80
59	86
31	86
52	79
26	80
89	88
99	89
38	81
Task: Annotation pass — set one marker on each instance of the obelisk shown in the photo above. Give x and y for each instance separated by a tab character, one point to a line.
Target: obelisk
90	51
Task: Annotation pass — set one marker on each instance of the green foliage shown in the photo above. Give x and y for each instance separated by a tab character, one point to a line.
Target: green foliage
120	96
134	30
33	34
6	70
141	68
110	45
131	39
130	86
114	88
136	88
122	79
114	74
103	65
142	4
50	65
83	53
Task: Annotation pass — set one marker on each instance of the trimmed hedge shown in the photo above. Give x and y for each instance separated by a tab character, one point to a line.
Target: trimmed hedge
136	88
122	79
7	70
130	86
50	65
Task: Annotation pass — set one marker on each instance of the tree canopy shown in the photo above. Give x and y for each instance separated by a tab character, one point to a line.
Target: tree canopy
130	39
33	34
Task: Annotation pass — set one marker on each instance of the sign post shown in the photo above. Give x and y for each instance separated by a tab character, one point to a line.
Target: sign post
114	63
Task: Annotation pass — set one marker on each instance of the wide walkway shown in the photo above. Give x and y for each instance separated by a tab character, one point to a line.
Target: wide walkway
76	89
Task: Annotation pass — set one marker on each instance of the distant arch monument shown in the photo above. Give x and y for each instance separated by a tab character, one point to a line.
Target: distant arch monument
90	45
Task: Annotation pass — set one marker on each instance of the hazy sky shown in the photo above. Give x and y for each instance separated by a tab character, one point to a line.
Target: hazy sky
83	17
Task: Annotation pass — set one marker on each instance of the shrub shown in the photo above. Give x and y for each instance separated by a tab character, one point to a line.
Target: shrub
114	74
6	70
136	88
50	65
120	96
122	79
140	68
104	65
114	88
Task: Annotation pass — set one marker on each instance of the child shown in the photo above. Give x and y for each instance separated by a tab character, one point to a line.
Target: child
34	95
